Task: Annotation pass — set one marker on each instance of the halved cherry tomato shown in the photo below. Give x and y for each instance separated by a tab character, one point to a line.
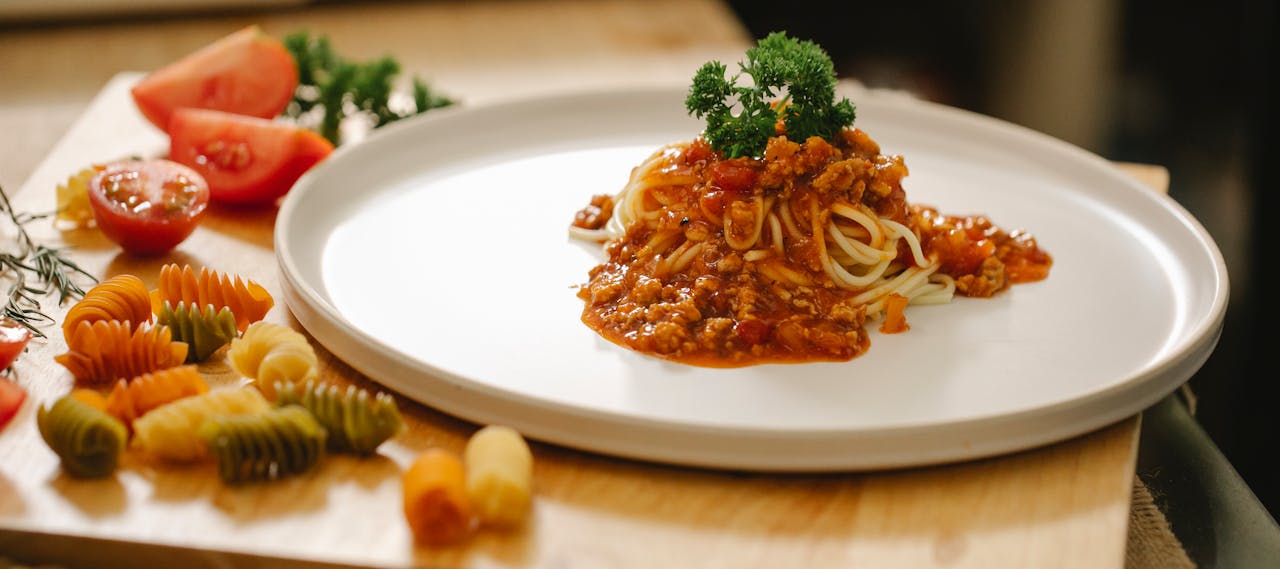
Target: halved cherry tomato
246	160
148	206
247	72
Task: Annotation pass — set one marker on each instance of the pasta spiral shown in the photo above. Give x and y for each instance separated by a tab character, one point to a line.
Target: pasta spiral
356	420
248	301
272	354
122	297
204	330
270	445
105	351
130	399
86	440
170	430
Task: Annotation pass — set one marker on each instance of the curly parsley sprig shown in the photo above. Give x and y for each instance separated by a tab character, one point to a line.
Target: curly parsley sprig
792	81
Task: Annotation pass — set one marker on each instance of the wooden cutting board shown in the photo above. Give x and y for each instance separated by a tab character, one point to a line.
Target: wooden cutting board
1064	505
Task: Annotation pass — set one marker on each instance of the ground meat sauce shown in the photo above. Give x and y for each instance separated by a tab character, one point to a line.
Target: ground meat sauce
720	310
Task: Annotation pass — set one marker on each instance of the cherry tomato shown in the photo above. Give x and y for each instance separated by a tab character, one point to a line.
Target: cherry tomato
148	206
247	72
246	160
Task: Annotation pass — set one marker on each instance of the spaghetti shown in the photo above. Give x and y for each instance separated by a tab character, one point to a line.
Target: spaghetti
728	262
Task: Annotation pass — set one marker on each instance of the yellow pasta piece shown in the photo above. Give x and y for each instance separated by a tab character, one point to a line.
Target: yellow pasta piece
122	297
170	431
104	351
499	475
134	398
248	300
269	353
435	498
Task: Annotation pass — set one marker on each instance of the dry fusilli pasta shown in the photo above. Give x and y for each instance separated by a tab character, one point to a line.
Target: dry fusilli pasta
170	430
265	446
248	301
130	399
204	330
272	354
122	297
105	351
87	440
356	420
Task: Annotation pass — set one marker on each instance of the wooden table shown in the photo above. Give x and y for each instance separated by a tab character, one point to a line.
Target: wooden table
1066	505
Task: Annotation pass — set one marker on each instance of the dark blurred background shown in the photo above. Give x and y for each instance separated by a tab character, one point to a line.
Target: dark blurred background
1181	85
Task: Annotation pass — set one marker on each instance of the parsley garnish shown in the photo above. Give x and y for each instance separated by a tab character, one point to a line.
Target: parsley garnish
792	81
336	88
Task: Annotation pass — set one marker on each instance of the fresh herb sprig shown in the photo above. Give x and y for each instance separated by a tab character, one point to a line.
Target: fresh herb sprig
337	89
50	270
792	81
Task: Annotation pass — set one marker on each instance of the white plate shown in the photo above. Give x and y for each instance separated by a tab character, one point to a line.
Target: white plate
434	258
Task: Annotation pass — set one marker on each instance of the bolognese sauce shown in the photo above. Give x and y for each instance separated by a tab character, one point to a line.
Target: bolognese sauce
783	258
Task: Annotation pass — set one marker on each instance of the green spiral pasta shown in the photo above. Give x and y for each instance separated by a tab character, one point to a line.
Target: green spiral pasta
204	330
87	440
357	421
278	443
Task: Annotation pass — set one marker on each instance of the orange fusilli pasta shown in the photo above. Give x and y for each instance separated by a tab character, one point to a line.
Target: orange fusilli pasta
122	297
105	351
130	399
248	300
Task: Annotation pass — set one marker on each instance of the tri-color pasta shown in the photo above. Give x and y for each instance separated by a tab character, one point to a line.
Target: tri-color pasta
104	351
170	431
499	469
248	300
204	330
264	446
357	421
130	399
123	297
86	439
272	354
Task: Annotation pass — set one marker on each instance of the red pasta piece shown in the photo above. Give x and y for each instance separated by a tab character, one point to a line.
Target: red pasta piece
105	351
122	297
248	300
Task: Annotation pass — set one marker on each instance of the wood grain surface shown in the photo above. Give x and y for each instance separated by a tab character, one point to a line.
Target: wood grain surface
1065	505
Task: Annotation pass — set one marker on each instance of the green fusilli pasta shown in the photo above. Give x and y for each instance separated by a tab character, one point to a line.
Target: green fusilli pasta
204	330
356	420
86	439
266	446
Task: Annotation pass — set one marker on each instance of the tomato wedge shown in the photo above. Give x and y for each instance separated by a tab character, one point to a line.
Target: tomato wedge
13	339
246	160
247	72
148	206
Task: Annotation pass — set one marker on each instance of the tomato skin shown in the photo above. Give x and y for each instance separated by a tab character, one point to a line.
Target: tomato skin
11	398
246	160
247	72
148	207
13	339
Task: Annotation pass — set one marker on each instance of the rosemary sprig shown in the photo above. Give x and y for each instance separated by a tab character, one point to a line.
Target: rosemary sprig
50	271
